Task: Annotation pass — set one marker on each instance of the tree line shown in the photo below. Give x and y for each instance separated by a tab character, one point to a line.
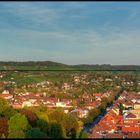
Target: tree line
37	123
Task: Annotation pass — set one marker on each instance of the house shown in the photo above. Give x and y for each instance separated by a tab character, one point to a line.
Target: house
91	105
131	116
111	121
66	86
133	100
106	94
6	96
66	110
137	105
81	113
50	105
27	103
51	100
128	104
76	79
112	135
121	97
131	129
16	105
5	92
108	79
98	96
60	104
136	112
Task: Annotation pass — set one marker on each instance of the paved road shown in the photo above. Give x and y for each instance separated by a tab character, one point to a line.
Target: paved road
88	127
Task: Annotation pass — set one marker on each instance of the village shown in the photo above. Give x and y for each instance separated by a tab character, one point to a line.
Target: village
80	94
53	95
30	99
116	123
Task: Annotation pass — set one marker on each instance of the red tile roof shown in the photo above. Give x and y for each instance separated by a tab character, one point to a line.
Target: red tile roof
130	129
131	116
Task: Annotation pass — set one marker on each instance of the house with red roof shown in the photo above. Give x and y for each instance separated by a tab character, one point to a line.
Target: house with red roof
91	105
137	105
131	116
131	129
6	96
16	105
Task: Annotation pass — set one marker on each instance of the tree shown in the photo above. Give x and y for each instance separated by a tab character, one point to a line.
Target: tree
22	125
17	134
35	133
121	107
43	125
74	103
3	136
55	130
31	116
92	114
56	115
111	98
3	127
42	116
79	129
52	128
3	105
84	135
103	105
88	119
8	112
70	124
105	99
73	133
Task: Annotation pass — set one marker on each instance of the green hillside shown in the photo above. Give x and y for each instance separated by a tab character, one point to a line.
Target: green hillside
49	65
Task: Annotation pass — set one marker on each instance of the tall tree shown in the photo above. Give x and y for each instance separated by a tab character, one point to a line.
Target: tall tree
22	125
35	133
17	134
31	116
56	115
70	124
55	130
8	112
84	135
42	115
3	105
92	114
3	127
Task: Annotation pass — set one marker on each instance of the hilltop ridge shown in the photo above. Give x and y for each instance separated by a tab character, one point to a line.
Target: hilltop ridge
50	65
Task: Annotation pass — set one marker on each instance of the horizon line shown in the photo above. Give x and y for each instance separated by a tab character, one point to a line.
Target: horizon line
69	64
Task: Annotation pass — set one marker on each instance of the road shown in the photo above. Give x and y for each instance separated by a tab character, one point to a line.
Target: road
89	126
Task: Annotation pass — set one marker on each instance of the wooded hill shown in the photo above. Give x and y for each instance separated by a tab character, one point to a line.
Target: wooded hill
49	65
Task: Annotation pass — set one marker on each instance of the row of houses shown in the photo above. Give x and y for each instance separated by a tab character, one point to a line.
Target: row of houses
120	125
29	99
33	99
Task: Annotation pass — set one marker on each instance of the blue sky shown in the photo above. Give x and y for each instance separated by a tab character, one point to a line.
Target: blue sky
70	32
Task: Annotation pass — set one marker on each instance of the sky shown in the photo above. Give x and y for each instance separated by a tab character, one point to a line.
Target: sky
71	32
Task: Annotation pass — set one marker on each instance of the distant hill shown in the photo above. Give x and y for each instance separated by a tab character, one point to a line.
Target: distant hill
108	67
49	65
32	63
